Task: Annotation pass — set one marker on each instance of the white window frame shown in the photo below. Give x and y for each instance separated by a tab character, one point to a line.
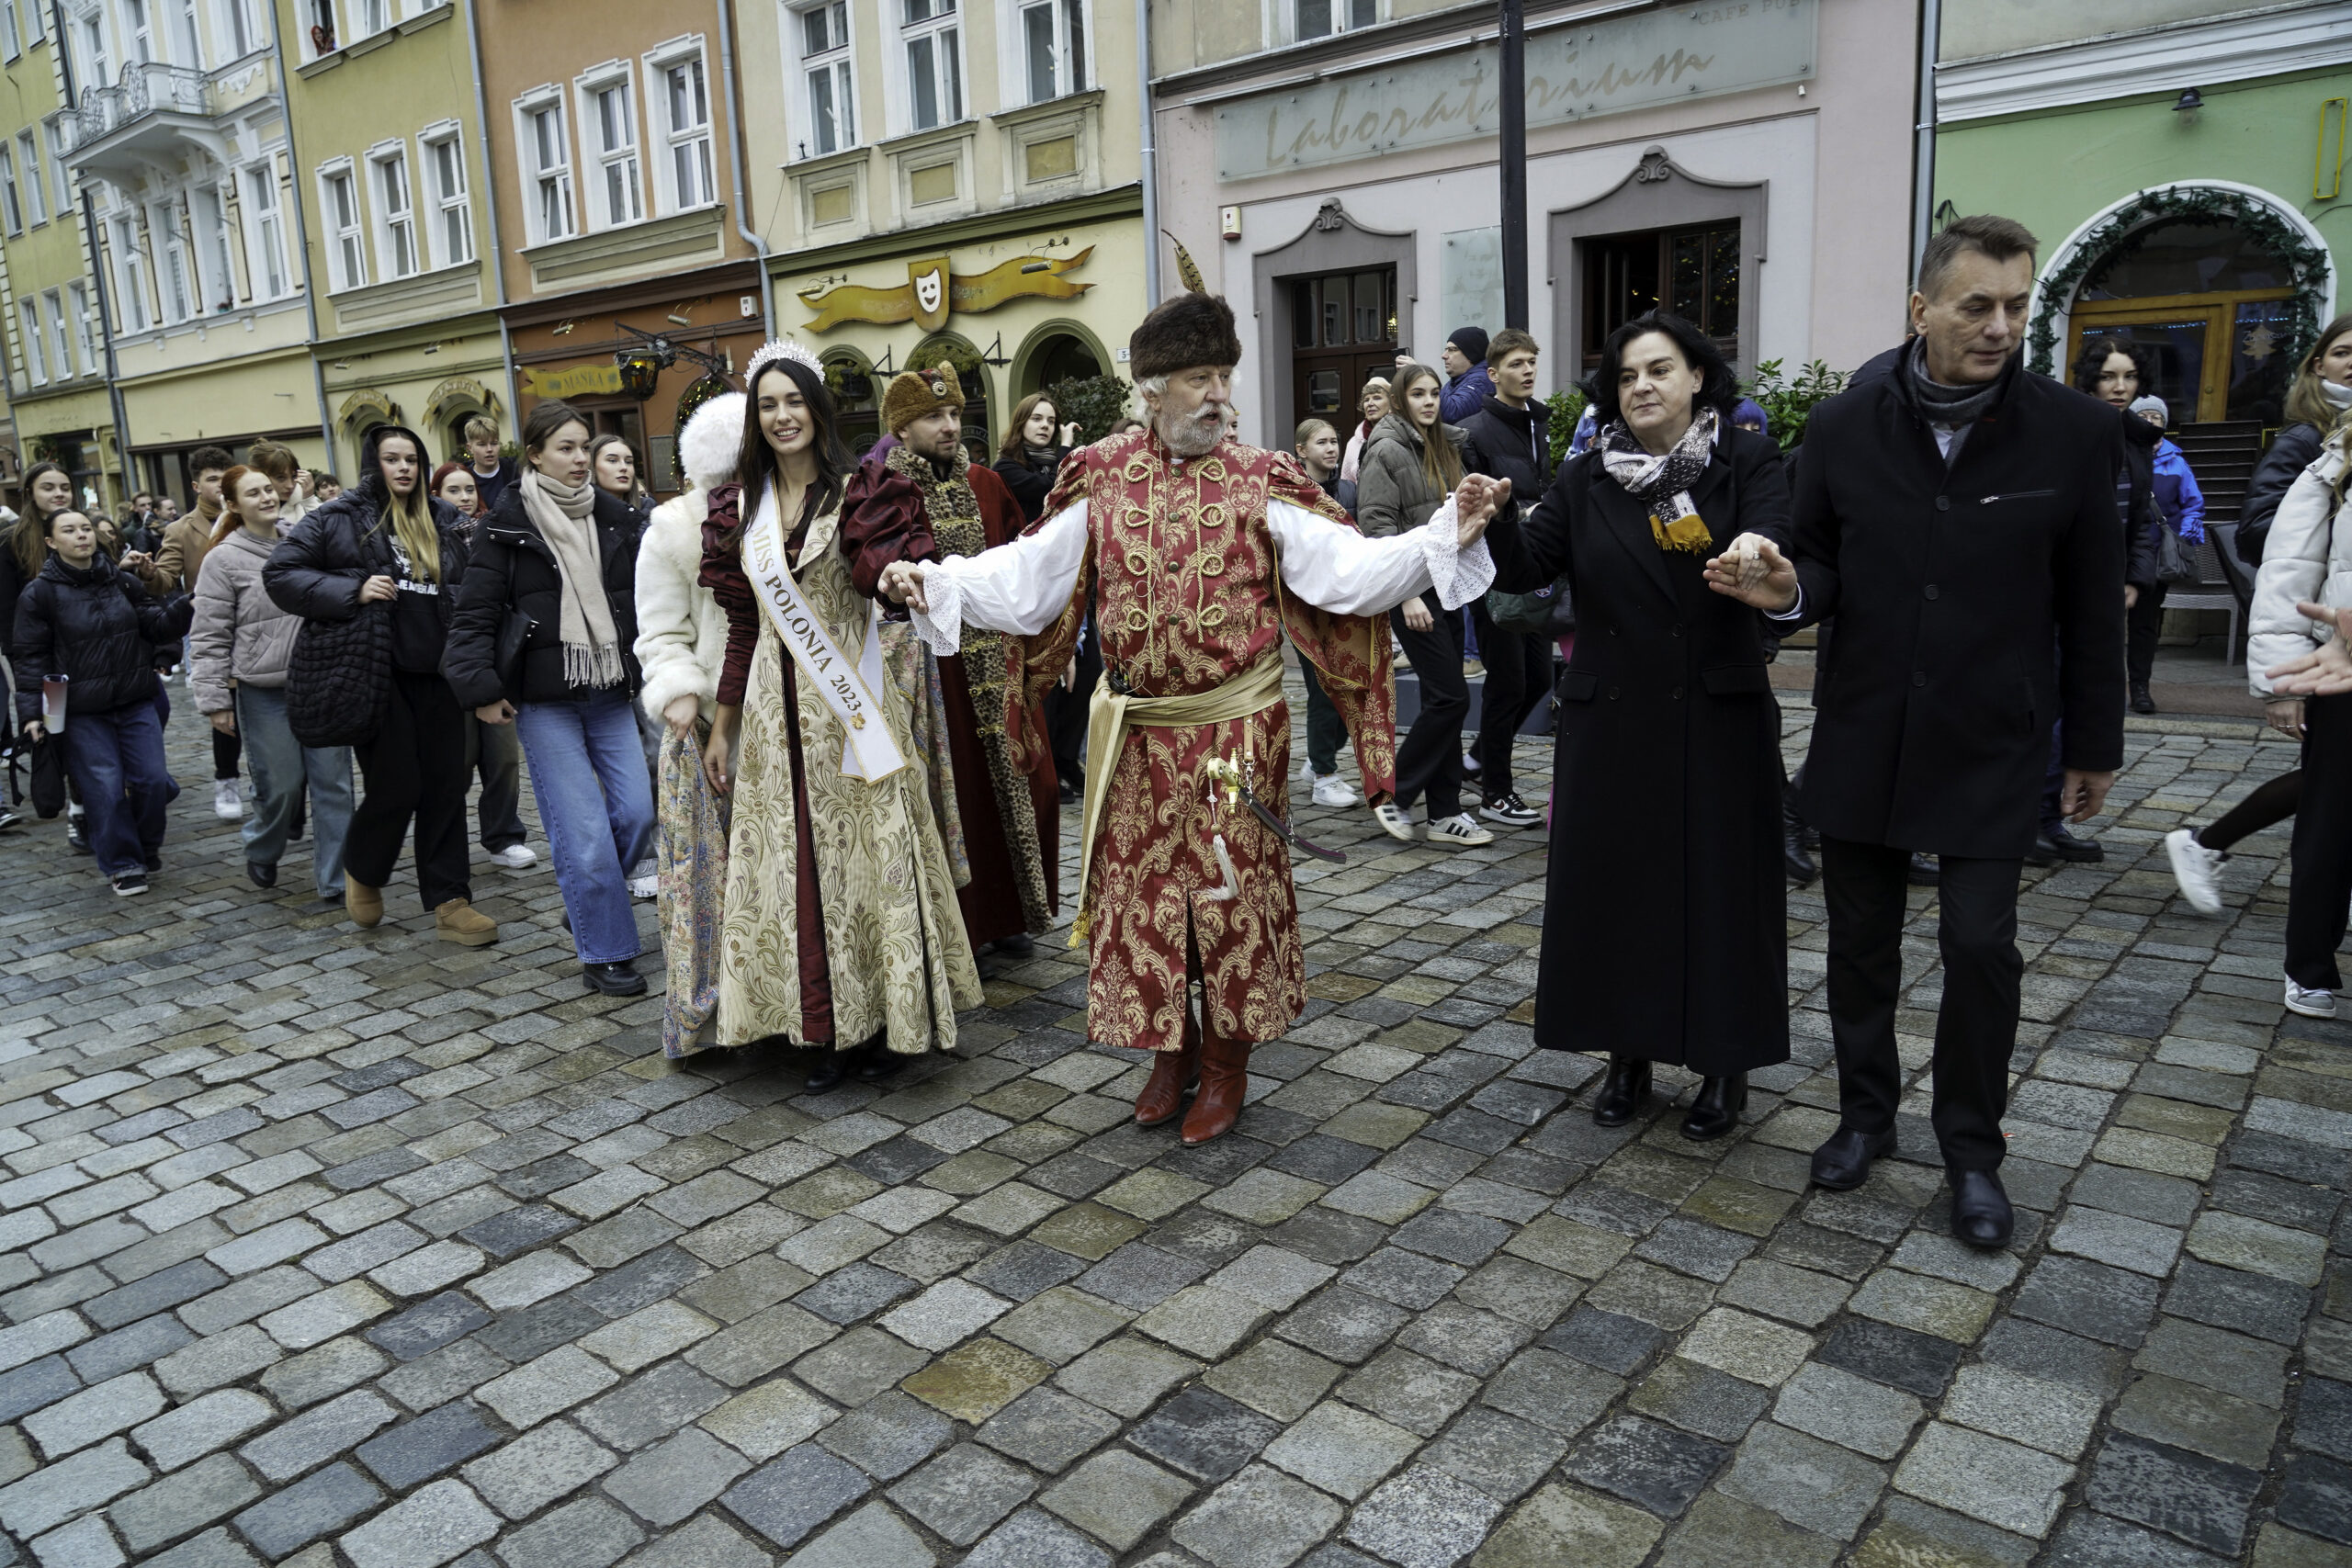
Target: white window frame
370	18
1342	13
215	274
951	91
187	33
36	25
837	64
343	224
392	199
240	31
264	211
132	276
680	142
28	330
61	168
12	197
452	209
182	301
96	58
61	341
12	39
1073	67
547	187
140	42
615	196
36	188
77	298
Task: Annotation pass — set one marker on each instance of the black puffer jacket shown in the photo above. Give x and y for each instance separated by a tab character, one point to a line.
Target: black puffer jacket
512	565
96	626
2293	450
316	569
1031	479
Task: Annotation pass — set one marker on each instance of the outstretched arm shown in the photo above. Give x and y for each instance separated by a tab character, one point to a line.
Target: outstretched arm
1021	587
1333	568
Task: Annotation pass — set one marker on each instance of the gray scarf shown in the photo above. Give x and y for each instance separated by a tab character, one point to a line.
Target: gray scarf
565	516
1950	406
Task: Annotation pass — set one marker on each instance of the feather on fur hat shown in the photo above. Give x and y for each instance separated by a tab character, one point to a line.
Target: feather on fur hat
1193	328
915	393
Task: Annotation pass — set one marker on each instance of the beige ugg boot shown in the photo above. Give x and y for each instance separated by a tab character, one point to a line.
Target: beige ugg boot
459	921
364	904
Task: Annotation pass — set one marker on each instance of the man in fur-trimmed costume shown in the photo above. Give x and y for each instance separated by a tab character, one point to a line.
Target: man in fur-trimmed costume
922	494
1204	551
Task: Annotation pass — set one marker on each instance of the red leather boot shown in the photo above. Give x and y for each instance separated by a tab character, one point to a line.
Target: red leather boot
1172	1072
1225	1080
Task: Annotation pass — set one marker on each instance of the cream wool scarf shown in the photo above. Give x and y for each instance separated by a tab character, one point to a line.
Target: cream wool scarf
565	516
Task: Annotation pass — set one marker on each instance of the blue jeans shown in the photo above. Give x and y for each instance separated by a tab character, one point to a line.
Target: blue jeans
596	805
115	759
280	766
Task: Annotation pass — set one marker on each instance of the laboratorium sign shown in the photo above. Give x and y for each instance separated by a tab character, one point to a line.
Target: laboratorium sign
1573	72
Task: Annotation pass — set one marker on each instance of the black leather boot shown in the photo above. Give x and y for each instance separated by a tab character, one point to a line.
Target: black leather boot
1621	1094
1716	1110
830	1069
1799	865
2141	702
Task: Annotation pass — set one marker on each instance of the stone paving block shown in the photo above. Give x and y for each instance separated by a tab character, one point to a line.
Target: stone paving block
1813	1484
314	1507
85	1544
527	1472
1035	1539
436	1441
2184	1416
183	1501
538	1389
295	1446
1126	1375
1700	1399
763	1422
2200	1500
1647	1462
1341	1449
2249	1369
1048	1429
2056	1417
192	1431
2236	1241
873	1537
706	1541
963	1492
302	1381
791	1496
887	1436
2317	1498
1565	1524
429	1325
944	1314
81	1419
590	1533
422	1531
2117	1239
1060	1325
670	1480
976	1380
126	1349
858	1365
2093	1540
1925	1305
1986	1478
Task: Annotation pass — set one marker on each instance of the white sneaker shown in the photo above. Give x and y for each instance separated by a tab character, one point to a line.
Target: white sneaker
1461	832
514	857
1306	773
2310	1004
1330	789
1393	820
2194	867
226	805
644	886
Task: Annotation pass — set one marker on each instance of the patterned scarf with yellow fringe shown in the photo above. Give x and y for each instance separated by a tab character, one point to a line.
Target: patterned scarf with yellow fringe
1662	482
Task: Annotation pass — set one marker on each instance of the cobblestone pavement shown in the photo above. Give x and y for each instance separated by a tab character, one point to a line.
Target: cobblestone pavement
322	1248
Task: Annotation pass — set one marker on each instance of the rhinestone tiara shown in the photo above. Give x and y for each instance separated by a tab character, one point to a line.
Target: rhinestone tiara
774	351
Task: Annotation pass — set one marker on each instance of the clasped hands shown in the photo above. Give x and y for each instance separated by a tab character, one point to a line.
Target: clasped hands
901	583
1753	571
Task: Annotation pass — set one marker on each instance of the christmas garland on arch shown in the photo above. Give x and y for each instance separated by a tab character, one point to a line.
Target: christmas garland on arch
2129	226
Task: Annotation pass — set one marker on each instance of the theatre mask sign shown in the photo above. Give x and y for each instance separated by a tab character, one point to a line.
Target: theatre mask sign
1573	72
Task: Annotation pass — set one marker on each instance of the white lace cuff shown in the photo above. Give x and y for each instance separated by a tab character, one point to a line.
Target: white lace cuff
941	627
1458	575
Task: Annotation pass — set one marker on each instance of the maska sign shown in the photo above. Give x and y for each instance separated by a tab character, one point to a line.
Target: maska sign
1573	72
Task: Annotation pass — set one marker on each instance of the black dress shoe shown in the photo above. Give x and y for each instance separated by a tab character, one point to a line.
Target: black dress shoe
828	1071
1923	870
2063	845
876	1063
1621	1094
2140	701
1844	1162
1799	865
1018	945
261	875
1716	1110
1981	1215
616	979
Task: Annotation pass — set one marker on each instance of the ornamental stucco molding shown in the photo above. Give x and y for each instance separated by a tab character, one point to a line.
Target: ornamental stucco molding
2155	60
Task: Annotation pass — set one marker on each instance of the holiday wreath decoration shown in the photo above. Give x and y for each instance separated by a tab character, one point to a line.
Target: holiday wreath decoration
2129	227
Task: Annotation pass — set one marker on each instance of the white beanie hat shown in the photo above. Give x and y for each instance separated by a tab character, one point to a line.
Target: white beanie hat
2151	403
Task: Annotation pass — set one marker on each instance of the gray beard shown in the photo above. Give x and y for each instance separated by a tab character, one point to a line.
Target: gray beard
1194	437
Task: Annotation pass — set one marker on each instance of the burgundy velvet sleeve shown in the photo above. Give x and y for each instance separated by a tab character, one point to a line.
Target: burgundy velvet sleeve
882	521
722	573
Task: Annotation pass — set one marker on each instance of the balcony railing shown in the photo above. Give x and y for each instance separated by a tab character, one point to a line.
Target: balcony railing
144	89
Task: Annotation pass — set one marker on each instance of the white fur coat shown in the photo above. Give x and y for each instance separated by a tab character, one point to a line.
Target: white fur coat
681	631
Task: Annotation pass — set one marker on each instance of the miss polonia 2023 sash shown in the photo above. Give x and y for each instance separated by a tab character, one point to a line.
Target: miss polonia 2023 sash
847	686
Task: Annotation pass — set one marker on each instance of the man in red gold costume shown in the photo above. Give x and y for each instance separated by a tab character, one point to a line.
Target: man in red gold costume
922	499
1203	552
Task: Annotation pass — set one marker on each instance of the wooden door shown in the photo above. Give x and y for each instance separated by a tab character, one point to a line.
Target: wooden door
1343	331
2216	355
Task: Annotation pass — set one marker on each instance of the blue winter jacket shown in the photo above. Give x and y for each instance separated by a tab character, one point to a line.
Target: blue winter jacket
2177	493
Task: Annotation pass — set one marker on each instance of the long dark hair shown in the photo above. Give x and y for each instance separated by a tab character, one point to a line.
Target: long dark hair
1015	444
29	539
755	466
2093	360
1718	388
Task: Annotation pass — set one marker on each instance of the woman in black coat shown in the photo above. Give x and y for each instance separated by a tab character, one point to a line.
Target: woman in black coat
543	639
386	542
1031	456
1665	935
85	618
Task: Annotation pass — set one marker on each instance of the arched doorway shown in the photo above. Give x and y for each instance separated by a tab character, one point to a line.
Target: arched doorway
2218	289
1054	356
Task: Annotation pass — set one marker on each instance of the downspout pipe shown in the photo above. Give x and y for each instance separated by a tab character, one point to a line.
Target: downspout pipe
489	208
735	155
58	41
1150	157
302	239
1923	172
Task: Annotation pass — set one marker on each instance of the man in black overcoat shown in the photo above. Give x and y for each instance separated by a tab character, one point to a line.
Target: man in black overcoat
1958	518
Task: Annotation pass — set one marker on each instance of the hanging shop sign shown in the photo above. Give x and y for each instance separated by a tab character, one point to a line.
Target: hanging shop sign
1623	62
931	292
572	382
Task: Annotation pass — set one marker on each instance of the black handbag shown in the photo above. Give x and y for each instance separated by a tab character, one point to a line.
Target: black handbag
2176	562
339	680
48	777
514	629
